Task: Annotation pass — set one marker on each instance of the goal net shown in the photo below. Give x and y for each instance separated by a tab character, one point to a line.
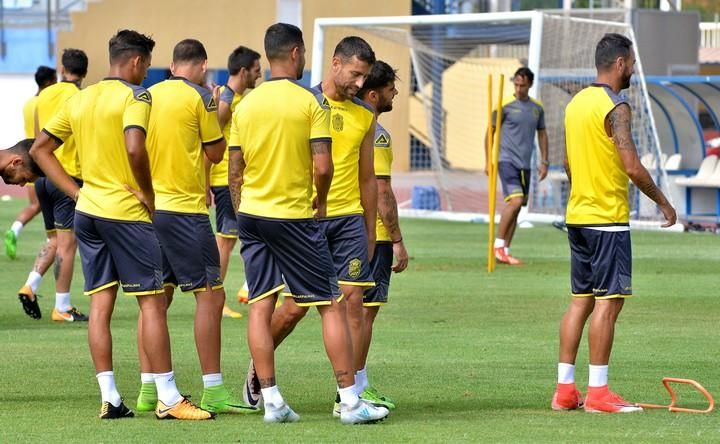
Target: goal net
440	117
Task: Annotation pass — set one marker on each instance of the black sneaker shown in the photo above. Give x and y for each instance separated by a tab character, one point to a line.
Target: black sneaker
72	315
109	411
29	302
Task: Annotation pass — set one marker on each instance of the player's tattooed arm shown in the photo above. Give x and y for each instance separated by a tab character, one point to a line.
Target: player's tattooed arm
619	121
387	208
236	167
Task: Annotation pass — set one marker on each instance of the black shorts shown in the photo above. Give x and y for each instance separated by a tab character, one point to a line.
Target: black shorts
57	208
189	252
225	217
118	252
381	265
296	250
600	263
347	240
515	181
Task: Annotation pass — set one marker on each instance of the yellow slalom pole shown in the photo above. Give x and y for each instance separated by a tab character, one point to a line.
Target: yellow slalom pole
494	161
491	172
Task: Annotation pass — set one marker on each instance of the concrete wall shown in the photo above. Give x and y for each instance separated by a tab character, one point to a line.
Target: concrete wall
668	42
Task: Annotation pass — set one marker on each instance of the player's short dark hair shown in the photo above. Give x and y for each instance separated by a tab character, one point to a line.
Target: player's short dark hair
610	47
128	43
22	149
75	61
525	72
189	50
354	46
379	77
44	76
280	39
241	57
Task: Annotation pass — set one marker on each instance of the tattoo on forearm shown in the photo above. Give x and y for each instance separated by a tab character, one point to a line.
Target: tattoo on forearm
58	266
267	382
387	208
620	121
648	187
235	178
319	148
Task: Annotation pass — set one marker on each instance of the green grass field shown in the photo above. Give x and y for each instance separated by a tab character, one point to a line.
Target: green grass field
469	357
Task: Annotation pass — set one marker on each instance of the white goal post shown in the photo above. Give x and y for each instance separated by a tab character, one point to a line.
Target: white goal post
442	107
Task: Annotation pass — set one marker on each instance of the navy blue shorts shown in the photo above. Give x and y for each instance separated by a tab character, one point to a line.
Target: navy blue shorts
225	217
381	265
600	263
294	249
347	240
189	252
515	181
118	252
57	208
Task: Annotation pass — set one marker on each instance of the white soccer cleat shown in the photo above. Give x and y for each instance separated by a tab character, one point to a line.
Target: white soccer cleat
252	394
280	414
362	413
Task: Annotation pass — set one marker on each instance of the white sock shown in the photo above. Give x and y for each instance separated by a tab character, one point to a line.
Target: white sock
361	380
272	396
507	250
499	243
33	280
212	379
245	287
166	388
147	378
16	228
348	396
62	302
108	390
566	373
598	375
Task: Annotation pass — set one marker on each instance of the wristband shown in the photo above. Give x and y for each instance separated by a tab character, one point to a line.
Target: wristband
397	241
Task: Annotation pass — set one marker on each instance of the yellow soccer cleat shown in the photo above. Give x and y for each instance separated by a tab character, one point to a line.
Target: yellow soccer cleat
230	313
183	409
242	294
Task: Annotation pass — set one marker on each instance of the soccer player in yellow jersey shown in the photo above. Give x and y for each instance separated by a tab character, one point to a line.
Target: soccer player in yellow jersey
349	224
244	69
379	91
57	208
280	144
117	240
601	157
183	129
16	165
44	77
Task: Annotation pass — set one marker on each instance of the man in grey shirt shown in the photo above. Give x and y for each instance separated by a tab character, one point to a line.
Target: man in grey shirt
522	116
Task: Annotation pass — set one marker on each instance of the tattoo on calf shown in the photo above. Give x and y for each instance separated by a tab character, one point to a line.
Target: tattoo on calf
267	382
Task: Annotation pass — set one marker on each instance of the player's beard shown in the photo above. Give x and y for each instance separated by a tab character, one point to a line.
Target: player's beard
626	81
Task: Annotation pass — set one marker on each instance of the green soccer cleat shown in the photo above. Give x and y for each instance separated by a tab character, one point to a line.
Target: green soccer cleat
217	399
10	244
147	399
372	396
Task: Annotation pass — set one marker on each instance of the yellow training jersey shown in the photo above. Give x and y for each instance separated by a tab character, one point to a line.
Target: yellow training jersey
97	118
599	190
183	118
50	101
219	171
350	120
383	165
274	126
29	117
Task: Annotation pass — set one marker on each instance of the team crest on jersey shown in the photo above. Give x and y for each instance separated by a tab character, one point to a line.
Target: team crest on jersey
354	268
144	97
337	122
536	112
382	140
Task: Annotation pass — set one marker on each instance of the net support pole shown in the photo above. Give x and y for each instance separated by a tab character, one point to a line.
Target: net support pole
317	53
